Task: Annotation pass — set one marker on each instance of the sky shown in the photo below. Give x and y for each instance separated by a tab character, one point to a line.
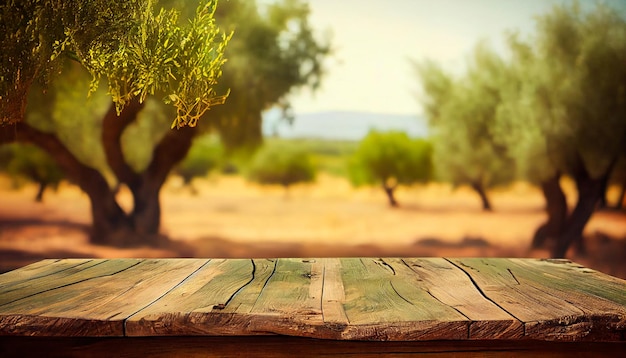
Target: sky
375	41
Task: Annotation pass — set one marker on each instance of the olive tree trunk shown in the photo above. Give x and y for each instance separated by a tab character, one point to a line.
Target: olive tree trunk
556	208
484	199
111	225
390	192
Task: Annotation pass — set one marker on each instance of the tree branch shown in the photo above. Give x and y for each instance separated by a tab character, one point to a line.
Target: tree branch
170	151
76	171
113	127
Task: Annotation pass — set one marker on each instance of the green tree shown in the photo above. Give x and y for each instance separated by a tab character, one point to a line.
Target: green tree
31	163
569	109
461	115
390	159
139	50
281	164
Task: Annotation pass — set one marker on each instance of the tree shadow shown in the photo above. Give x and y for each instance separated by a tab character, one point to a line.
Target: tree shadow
6	223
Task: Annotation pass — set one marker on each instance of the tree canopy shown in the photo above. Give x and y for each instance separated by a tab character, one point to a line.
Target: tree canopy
30	163
137	50
390	159
133	57
462	115
281	164
555	106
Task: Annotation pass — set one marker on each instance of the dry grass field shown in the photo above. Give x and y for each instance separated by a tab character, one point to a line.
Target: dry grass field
228	217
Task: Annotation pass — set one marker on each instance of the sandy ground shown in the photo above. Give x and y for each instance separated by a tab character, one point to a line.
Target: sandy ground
228	217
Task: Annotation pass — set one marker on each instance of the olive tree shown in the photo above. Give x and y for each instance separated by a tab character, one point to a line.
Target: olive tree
390	159
570	109
281	164
556	107
139	56
461	114
31	163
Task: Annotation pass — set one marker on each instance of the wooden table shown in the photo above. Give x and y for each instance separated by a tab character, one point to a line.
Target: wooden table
329	305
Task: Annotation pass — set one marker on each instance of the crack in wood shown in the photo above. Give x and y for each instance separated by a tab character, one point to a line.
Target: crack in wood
160	297
72	283
222	306
454	308
512	275
384	264
483	293
266	282
56	272
71	267
399	295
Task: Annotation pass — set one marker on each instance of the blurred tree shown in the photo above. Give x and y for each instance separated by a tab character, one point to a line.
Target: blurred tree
206	154
139	51
281	164
30	162
567	115
390	159
274	52
461	115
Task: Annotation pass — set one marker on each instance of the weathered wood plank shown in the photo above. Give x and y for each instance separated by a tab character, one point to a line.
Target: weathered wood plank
57	274
347	299
287	292
546	313
567	275
95	305
38	269
239	297
333	294
186	309
584	288
450	285
287	304
245	300
382	305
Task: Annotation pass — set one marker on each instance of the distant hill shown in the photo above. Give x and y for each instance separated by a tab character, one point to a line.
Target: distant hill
343	125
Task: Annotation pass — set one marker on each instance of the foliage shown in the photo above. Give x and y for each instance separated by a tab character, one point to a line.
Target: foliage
462	114
390	159
206	153
101	144
136	50
556	106
573	97
281	164
31	163
273	53
567	110
328	156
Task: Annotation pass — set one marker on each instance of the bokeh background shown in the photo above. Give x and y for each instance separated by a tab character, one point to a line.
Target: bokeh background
352	128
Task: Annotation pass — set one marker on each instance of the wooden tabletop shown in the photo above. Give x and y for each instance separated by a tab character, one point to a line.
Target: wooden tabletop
396	299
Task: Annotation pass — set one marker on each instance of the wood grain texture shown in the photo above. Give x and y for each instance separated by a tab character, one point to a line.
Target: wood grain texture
383	304
376	299
450	285
549	302
95	301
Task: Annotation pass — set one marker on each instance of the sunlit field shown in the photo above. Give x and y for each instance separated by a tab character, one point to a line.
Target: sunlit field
226	216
